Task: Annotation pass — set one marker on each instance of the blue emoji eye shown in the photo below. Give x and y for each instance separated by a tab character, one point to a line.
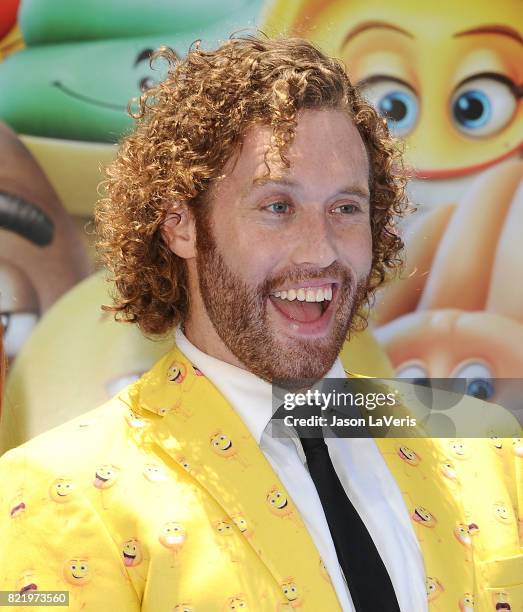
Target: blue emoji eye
395	101
472	109
479	379
481	388
483	106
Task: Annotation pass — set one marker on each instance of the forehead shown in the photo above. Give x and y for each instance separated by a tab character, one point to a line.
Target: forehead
326	146
428	17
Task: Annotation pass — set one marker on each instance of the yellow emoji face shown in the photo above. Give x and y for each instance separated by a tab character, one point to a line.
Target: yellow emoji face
154	472
448	470
222	445
290	590
184	463
466	603
517	447
238	602
27	582
105	476
497	443
459	449
434	588
76	571
501	513
61	490
132	552
223	527
241	523
446	76
423	517
278	502
408	455
176	372
478	346
173	535
462	535
473	529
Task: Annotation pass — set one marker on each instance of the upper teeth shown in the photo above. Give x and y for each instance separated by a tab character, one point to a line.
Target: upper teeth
305	294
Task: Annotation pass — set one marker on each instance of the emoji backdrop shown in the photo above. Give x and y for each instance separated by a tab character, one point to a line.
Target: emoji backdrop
446	76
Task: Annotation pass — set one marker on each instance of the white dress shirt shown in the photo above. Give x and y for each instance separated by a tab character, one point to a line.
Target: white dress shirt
360	467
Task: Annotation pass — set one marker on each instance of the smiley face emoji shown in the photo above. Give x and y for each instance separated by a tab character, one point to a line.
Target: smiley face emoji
222	445
517	447
154	472
497	443
501	513
184	463
466	603
423	517
290	590
176	372
241	522
132	553
27	582
473	529
237	602
462	535
76	571
223	527
278	502
105	476
448	470
173	536
459	449
433	587
408	455
61	490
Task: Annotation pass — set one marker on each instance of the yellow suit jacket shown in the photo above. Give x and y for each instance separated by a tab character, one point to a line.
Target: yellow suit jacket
161	500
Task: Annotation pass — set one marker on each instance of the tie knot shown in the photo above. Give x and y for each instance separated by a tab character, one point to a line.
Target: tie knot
311	445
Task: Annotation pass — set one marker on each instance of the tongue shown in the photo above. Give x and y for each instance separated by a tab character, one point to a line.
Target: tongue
303	312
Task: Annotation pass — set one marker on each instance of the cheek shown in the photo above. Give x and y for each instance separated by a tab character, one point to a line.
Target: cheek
253	257
355	248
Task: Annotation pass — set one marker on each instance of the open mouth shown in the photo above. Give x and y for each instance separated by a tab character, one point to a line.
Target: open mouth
305	304
18	508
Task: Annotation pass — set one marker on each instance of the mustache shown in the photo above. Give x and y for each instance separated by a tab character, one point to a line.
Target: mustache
343	275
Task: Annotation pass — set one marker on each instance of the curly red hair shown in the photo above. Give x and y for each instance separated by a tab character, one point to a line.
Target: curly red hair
190	125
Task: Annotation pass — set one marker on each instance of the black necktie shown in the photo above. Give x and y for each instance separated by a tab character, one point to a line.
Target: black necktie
367	578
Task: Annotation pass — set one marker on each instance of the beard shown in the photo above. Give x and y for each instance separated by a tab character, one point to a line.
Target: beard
238	312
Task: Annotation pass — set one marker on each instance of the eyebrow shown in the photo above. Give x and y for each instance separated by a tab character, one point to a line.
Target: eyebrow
143	55
371	25
502	30
25	219
260	182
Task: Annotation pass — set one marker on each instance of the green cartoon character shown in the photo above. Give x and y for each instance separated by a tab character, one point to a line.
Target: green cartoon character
84	61
69	88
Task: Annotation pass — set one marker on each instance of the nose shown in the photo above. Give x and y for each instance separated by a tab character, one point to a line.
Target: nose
313	241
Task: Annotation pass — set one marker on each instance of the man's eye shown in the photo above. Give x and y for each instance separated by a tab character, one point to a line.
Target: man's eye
346	209
278	207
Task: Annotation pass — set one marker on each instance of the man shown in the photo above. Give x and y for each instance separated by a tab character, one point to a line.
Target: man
253	209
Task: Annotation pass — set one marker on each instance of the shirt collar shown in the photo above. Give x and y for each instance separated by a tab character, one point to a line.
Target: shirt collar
249	395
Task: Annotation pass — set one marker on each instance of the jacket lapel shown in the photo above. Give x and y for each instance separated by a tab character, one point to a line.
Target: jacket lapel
431	481
192	422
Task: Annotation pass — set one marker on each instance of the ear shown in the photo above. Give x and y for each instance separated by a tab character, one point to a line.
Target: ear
179	232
